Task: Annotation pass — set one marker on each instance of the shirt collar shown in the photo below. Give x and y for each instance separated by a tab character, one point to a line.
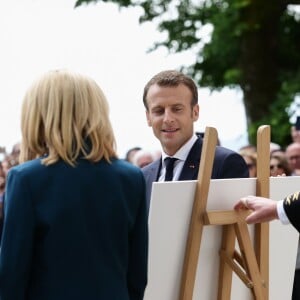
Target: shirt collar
183	152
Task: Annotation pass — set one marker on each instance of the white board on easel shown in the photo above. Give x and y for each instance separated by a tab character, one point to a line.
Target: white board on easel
169	217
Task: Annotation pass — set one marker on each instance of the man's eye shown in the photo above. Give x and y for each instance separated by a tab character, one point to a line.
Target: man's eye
177	109
158	111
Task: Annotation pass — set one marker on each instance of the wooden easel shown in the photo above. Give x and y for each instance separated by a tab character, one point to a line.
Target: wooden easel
251	263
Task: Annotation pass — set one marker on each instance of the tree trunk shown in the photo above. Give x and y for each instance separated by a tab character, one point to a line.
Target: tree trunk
259	58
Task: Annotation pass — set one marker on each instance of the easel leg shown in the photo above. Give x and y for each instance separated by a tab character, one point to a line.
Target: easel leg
251	264
225	271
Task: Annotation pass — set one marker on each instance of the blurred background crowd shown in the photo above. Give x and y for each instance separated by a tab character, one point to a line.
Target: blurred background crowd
284	159
8	160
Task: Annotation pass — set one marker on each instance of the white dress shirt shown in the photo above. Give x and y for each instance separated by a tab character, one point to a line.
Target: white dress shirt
181	155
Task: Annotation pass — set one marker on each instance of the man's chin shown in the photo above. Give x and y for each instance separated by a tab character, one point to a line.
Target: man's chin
170	147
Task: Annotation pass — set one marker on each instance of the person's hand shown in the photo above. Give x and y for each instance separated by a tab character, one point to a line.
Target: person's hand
263	209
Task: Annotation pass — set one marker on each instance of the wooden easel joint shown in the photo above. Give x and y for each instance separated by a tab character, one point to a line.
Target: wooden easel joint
236	267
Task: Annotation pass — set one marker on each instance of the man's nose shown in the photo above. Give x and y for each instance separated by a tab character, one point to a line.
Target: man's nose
169	116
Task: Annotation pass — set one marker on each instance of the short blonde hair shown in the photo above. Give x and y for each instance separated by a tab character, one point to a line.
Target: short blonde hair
64	116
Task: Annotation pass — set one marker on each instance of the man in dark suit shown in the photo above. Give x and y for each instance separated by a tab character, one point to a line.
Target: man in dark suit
171	102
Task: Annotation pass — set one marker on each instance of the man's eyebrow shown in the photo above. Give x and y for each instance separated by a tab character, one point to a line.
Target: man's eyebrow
157	108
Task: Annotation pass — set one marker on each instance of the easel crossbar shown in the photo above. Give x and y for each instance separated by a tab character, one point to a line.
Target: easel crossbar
224	217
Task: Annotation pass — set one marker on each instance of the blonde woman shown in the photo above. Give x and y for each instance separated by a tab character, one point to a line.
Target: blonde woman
75	223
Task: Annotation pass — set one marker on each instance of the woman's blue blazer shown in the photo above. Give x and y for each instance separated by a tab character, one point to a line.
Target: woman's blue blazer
74	232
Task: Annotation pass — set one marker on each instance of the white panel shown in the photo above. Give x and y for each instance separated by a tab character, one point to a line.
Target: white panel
169	217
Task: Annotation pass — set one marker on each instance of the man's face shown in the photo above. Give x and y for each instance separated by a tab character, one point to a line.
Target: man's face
171	116
293	156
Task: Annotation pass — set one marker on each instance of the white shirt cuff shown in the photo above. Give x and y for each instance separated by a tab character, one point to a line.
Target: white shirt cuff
281	213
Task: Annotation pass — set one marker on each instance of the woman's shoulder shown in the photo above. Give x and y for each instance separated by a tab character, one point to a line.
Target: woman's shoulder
126	169
28	167
124	165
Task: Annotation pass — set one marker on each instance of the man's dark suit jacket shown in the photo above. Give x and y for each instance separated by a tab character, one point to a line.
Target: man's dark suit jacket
291	205
227	164
74	233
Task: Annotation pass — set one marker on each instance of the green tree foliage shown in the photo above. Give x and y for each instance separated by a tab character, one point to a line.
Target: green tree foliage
252	44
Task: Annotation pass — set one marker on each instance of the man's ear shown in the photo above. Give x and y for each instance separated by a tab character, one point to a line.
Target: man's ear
195	112
148	119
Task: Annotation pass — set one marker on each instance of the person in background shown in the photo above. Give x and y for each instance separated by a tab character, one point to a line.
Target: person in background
142	158
292	153
2	182
279	152
250	158
2	189
248	147
171	102
295	134
2	152
75	223
274	147
131	152
16	150
9	161
279	166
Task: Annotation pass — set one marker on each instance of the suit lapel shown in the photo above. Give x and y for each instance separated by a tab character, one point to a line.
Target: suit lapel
151	175
191	166
154	171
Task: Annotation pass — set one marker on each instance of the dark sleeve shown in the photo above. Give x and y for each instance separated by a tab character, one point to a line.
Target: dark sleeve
138	251
17	239
291	205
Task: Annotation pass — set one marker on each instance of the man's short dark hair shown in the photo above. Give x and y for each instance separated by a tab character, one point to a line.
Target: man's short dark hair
172	78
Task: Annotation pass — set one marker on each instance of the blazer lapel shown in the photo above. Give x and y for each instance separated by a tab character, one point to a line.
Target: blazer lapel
151	175
154	171
191	166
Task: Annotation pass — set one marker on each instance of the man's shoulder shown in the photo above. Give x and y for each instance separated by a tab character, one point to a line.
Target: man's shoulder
220	151
225	151
152	166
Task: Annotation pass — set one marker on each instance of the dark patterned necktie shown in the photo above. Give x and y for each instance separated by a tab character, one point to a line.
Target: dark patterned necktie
169	162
